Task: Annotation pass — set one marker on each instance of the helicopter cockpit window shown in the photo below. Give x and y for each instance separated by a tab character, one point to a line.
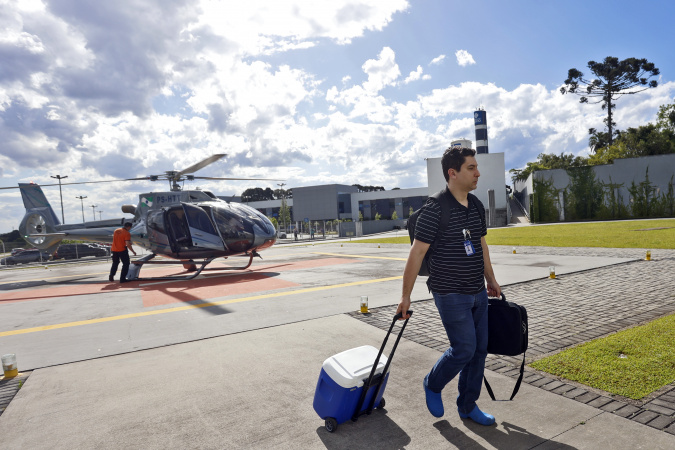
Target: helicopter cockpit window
253	215
156	221
235	229
199	219
178	226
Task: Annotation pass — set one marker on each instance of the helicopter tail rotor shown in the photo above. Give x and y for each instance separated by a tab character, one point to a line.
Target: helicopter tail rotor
40	218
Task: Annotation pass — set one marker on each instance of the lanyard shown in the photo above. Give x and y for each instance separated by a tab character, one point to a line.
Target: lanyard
465	230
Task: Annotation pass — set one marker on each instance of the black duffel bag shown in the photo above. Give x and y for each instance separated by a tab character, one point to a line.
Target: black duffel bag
507	334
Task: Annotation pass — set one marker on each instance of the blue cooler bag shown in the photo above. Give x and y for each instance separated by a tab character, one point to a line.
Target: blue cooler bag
352	383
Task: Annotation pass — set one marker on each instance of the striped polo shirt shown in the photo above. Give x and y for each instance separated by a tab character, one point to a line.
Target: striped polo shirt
451	270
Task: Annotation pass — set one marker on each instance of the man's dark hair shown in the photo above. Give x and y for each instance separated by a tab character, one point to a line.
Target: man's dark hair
454	158
127	224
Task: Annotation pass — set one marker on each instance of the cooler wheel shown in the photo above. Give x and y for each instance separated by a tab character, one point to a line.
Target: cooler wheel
331	425
381	405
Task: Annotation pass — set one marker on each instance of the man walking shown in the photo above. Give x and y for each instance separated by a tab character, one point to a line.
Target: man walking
120	252
459	269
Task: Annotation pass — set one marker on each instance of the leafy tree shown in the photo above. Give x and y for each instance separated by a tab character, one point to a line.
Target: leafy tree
643	197
614	79
13	236
394	215
283	193
599	139
585	193
257	194
666	117
284	213
606	155
369	188
666	204
544	200
548	161
645	140
613	206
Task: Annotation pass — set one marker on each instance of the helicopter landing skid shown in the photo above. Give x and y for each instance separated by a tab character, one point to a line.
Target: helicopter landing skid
250	260
135	268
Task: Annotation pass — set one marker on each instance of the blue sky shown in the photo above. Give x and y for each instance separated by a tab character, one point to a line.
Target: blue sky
312	92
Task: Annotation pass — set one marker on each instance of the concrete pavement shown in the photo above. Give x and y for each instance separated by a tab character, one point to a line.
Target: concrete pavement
254	389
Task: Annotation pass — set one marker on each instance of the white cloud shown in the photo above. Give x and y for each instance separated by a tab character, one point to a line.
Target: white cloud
381	72
138	87
261	26
416	75
437	60
464	58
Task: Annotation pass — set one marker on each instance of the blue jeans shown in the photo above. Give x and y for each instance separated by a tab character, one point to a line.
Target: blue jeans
465	318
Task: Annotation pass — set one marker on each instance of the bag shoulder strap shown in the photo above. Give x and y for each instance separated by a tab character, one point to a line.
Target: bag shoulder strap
479	206
441	197
515	389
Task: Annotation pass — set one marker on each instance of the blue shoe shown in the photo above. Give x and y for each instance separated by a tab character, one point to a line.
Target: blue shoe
434	400
479	416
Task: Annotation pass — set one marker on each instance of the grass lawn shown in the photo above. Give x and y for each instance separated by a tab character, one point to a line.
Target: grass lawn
632	363
647	234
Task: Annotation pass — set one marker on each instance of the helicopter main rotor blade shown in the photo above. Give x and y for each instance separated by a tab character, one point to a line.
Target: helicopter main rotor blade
200	165
243	179
81	182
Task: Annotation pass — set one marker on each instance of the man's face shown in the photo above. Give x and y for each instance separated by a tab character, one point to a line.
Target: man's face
467	178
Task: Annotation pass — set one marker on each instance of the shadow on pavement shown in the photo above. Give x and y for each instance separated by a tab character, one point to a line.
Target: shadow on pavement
371	432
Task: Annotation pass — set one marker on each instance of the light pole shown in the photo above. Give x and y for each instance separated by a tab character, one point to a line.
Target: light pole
82	201
99	215
283	204
59	177
94	210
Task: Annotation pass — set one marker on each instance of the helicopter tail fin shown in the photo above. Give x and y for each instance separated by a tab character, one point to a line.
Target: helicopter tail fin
39	219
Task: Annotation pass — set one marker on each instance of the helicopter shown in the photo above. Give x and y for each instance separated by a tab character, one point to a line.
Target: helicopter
190	227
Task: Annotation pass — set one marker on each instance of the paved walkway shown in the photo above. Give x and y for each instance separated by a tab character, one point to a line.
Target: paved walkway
570	310
253	389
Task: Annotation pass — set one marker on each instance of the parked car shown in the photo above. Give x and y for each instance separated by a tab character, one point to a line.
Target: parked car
17	251
26	256
74	251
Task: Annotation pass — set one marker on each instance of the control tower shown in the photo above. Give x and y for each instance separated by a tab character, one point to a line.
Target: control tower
480	120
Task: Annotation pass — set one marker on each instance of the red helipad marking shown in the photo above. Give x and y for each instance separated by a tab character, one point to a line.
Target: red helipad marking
252	280
202	288
283	266
67	291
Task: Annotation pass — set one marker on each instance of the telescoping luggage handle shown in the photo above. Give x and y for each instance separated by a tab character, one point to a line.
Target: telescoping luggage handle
369	381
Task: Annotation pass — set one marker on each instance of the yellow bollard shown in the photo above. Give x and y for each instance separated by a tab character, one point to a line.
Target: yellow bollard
514	250
551	272
648	257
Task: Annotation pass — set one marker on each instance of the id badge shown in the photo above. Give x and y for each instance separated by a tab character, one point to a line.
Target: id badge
468	247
